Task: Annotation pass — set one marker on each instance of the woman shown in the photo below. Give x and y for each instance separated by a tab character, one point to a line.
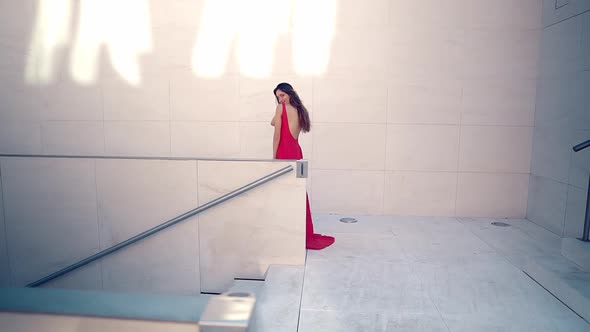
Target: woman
290	119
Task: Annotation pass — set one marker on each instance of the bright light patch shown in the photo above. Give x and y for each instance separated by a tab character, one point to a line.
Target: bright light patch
215	37
262	23
51	32
257	24
239	312
123	29
122	26
313	30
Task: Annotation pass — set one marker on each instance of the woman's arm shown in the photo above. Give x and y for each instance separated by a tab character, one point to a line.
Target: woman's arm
276	122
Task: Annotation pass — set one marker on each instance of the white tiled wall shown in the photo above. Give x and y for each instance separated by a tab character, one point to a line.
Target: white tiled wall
420	193
495	149
150	102
416	88
551	152
560	45
349	101
193	99
349	146
501	53
436	13
547	203
422	147
509	102
575	212
4	261
348	191
585	42
137	138
20	137
413	48
499	195
254	142
136	195
360	52
67	101
551	15
49	198
425	101
524	14
206	139
19	101
559	176
58	137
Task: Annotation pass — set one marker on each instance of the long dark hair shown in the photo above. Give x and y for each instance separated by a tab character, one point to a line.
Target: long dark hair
304	121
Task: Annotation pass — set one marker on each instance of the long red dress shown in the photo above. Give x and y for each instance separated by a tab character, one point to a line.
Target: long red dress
289	149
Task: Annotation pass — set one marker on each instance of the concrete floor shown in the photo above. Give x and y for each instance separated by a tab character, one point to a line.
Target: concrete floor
430	274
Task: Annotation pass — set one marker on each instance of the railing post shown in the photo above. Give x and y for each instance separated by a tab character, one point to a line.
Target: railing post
302	168
585	236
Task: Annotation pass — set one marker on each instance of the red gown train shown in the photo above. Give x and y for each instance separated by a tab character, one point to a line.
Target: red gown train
289	149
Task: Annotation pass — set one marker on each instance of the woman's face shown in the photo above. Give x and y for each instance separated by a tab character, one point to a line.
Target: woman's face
282	97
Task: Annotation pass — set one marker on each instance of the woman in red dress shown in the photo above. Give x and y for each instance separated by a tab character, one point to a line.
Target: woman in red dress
290	119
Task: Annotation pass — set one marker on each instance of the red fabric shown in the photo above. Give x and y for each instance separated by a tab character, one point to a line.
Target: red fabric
289	149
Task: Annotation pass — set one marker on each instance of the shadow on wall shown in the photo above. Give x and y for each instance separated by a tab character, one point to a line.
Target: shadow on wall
73	34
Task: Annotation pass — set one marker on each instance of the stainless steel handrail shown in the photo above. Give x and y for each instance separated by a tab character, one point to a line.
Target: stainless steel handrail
586	234
581	146
160	227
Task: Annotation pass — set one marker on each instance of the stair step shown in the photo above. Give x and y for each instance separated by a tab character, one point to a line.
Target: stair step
577	251
565	280
103	304
278	298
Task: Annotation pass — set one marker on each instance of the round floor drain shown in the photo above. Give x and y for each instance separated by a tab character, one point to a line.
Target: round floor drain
348	220
501	224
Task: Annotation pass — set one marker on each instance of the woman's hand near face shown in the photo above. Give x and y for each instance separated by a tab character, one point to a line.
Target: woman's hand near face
277	115
276	122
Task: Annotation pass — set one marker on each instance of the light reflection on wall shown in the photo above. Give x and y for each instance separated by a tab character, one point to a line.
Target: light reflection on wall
123	29
253	26
257	24
263	22
51	32
313	29
215	38
122	26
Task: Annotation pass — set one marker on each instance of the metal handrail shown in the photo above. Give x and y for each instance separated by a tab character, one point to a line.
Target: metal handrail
160	227
581	146
586	235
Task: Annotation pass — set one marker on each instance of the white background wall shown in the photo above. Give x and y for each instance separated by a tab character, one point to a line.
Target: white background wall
424	108
559	176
